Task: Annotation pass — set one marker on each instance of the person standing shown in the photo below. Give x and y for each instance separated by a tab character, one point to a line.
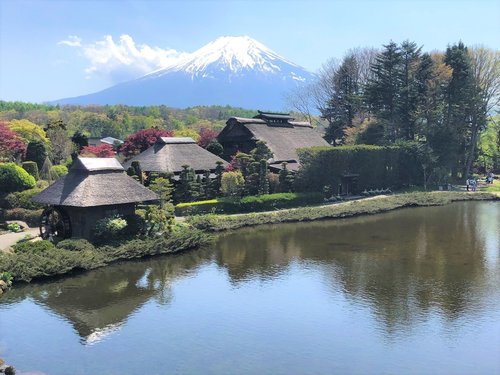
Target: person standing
467	183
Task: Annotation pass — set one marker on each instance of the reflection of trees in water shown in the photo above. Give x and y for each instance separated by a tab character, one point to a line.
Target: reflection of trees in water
98	302
258	253
403	263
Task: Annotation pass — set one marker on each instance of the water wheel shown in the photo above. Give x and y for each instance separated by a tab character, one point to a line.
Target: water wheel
55	224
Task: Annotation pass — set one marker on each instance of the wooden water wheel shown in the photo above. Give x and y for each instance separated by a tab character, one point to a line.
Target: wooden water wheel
55	224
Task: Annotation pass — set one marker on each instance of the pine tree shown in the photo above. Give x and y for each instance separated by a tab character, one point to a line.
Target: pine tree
216	183
345	101
461	104
383	91
410	59
263	180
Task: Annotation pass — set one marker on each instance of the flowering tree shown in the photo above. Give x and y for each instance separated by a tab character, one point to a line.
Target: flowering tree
206	136
142	140
11	145
101	151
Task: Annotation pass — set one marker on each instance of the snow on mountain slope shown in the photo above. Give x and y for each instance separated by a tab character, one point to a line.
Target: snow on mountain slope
229	53
237	71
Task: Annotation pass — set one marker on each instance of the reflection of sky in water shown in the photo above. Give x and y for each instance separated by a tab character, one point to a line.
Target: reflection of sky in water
100	334
403	292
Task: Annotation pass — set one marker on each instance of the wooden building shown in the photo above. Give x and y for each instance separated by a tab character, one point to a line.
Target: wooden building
97	141
93	189
281	133
169	154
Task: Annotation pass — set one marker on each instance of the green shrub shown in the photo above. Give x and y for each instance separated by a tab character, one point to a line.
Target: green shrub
37	151
14	178
75	244
6	277
59	170
24	266
30	217
109	228
22	199
31	168
232	183
42	184
14	227
33	247
47	260
136	225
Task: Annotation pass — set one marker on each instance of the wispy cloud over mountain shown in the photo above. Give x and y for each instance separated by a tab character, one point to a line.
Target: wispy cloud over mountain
121	60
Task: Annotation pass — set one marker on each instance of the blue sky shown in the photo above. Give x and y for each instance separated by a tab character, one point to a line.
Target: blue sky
55	49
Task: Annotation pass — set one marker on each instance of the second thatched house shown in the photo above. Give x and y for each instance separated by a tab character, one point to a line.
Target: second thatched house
93	189
281	133
170	154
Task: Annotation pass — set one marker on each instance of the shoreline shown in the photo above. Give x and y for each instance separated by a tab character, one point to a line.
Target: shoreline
201	230
365	206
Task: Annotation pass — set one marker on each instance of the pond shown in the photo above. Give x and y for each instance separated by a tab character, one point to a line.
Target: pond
412	291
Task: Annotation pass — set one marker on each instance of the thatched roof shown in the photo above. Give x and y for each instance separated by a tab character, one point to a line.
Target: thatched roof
169	154
95	182
281	133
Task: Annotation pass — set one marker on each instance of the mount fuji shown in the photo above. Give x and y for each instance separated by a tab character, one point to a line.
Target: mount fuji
236	71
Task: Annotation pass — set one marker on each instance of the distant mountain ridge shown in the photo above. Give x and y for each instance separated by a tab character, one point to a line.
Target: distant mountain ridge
235	71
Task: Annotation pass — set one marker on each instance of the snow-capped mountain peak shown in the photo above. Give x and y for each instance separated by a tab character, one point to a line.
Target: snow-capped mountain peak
230	54
236	71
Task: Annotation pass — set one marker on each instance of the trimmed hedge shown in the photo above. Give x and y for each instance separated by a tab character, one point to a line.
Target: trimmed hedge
14	178
254	203
59	170
216	223
378	166
32	168
22	199
30	217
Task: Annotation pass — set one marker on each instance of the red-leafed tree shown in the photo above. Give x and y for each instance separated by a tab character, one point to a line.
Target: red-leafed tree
206	136
233	164
11	146
101	151
142	140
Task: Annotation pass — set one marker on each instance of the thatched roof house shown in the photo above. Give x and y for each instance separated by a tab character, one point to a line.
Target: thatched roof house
94	188
169	154
282	134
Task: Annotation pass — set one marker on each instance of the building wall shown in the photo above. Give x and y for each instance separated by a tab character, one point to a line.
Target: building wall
83	219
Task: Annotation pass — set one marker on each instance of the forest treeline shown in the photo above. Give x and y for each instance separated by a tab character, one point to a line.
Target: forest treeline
119	121
444	101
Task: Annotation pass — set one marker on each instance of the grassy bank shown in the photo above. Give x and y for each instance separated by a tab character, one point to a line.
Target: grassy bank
42	259
215	223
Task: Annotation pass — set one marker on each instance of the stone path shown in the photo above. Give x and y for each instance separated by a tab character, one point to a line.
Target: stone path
9	239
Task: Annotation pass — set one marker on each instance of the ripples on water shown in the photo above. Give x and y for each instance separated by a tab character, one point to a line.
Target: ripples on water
410	291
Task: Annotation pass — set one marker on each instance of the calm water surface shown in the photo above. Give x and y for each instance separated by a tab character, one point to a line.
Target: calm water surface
413	291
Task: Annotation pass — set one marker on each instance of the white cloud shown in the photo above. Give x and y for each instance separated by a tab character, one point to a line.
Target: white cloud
72	41
122	60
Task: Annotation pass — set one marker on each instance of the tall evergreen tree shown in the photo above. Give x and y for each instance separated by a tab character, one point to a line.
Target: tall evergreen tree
384	90
461	103
408	98
345	101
